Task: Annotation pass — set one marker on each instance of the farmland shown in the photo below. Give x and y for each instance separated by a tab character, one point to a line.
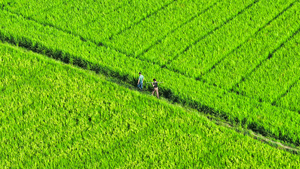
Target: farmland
237	61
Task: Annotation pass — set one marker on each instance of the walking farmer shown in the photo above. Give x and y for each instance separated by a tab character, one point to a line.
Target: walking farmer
140	81
155	88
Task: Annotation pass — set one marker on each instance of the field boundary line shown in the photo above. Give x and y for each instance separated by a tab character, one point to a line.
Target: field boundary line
178	27
108	12
260	29
210	32
263	60
142	19
274	103
44	10
94	20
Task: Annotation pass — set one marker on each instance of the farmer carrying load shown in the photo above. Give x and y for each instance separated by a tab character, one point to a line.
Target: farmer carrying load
155	88
140	81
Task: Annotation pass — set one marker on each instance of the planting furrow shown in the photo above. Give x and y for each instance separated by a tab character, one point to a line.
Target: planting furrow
42	10
202	56
291	98
259	30
94	20
72	15
275	73
283	94
177	88
177	41
118	21
257	49
143	19
29	8
170	34
143	35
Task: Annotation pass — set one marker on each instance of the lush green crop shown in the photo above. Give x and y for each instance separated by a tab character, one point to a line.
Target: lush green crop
275	76
97	22
57	116
237	60
61	12
71	49
241	62
291	99
141	36
200	58
28	8
179	40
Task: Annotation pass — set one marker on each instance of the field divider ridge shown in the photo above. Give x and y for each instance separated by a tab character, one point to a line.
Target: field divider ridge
211	32
44	10
144	18
203	55
260	29
94	20
286	92
143	35
178	27
262	61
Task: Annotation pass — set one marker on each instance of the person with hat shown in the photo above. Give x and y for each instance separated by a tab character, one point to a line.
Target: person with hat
140	81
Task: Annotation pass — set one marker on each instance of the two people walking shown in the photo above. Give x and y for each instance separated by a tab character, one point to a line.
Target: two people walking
154	84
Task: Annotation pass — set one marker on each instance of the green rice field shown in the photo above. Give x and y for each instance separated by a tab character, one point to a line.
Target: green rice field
230	96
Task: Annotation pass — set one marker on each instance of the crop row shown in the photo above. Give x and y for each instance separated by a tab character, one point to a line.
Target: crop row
202	96
176	42
91	19
103	25
276	74
292	98
28	8
58	116
256	50
200	58
135	40
89	9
